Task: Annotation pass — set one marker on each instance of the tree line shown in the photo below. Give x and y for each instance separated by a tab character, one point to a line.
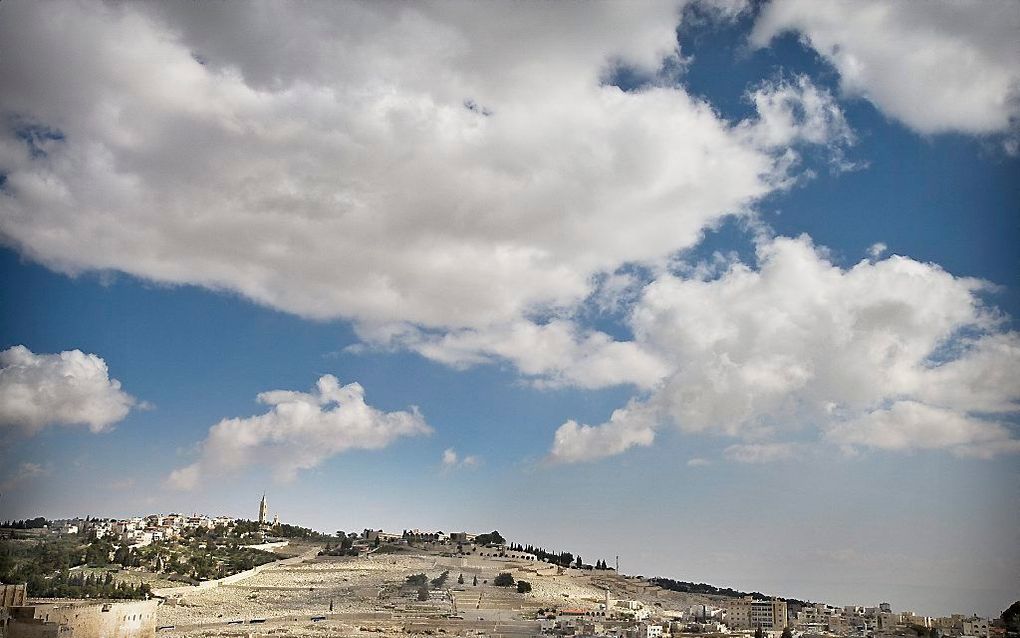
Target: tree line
705	588
563	559
29	523
83	585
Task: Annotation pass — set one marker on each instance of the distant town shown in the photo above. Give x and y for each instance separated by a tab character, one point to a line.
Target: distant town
199	575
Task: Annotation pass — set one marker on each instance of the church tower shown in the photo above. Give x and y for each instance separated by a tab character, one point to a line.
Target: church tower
262	510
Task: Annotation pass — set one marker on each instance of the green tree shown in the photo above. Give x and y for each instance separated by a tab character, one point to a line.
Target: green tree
417	580
493	538
787	633
504	579
423	593
122	555
523	587
758	633
475	583
97	554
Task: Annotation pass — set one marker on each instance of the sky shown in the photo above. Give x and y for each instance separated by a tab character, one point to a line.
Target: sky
728	290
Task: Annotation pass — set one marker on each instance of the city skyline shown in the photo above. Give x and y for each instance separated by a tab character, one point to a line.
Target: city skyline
728	289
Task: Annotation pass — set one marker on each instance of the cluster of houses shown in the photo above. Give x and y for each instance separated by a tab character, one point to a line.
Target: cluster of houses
139	530
628	619
746	615
882	620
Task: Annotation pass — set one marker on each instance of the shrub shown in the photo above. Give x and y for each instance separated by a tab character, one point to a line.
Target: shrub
417	580
504	579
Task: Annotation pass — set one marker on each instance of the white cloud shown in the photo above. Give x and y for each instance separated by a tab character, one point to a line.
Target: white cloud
725	9
910	425
626	428
452	461
698	462
554	353
418	169
796	111
801	345
300	431
68	388
427	173
935	66
877	249
345	166
449	457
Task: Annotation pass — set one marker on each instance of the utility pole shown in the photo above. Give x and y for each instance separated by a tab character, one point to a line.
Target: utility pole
618	564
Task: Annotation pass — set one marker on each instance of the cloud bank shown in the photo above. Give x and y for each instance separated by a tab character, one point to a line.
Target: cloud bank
459	191
300	431
68	388
892	355
418	164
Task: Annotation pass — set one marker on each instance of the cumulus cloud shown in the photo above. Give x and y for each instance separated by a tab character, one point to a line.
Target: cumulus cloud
300	431
792	111
385	163
451	460
724	9
627	427
936	67
893	346
554	353
68	388
910	425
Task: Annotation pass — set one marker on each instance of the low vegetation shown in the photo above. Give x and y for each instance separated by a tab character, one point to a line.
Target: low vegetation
45	564
29	523
704	588
45	567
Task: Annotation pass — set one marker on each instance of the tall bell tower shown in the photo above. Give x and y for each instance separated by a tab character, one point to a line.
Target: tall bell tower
262	510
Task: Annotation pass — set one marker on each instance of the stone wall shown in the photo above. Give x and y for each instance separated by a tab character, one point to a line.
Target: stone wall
266	547
81	619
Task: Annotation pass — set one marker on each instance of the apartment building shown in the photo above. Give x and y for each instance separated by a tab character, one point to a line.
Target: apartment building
749	613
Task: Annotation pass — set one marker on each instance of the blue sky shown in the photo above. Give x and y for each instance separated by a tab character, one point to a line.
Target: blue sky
727	290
